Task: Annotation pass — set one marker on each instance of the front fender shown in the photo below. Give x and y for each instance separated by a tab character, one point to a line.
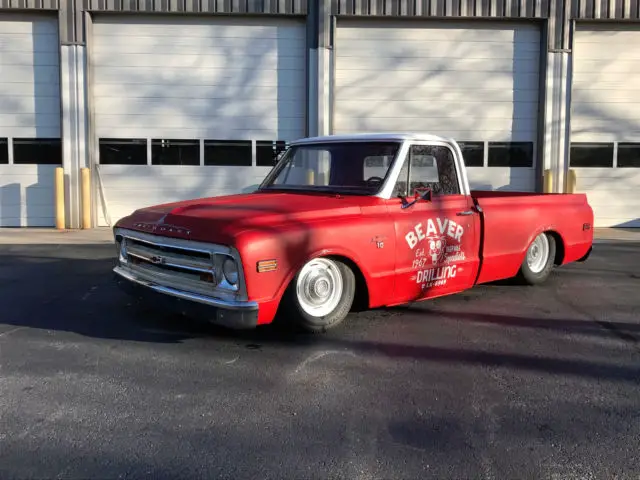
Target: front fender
324	252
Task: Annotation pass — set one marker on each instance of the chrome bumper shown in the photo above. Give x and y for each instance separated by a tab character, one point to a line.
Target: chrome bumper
219	311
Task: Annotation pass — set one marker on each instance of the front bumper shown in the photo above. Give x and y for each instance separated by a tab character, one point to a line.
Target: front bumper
236	315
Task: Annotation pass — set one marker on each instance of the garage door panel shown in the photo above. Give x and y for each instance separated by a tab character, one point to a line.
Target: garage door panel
31	75
503	179
144	178
426	94
185	44
213	131
26	195
169	79
468	132
415	79
605	109
608	179
474	82
612	65
228	61
28	104
193	27
439	65
442	109
182	124
456	32
434	51
221	78
593	96
118	92
168	184
198	106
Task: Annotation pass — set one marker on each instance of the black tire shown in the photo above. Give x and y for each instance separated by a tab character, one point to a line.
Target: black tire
537	276
294	314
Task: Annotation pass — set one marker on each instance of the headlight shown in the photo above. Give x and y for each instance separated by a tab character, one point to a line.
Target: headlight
230	270
122	250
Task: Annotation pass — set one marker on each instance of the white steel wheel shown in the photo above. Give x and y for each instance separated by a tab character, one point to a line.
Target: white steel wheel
538	253
319	287
539	259
320	295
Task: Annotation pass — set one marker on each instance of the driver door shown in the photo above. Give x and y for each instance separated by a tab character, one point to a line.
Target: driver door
436	239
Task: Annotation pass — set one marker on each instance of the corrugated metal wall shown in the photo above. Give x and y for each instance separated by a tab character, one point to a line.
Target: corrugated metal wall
559	12
287	7
29	4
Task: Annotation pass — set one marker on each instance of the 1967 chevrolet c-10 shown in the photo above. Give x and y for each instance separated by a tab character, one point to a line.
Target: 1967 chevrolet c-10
346	222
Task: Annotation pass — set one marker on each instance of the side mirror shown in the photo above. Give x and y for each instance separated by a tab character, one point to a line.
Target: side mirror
419	194
423	194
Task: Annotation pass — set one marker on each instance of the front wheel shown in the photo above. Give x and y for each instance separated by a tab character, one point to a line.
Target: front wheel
320	295
538	262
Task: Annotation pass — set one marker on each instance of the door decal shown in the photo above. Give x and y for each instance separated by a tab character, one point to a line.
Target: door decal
436	251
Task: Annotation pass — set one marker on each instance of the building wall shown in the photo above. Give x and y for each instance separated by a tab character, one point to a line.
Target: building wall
558	18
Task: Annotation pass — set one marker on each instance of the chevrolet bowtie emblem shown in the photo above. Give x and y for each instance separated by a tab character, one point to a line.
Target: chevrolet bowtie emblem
157	260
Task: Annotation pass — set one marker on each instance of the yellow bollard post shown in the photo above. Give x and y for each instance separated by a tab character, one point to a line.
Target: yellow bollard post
310	177
59	194
86	197
548	181
572	181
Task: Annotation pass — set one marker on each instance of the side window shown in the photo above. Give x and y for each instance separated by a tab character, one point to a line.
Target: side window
401	183
433	167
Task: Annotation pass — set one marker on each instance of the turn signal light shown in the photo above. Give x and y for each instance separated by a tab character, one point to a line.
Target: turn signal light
267	266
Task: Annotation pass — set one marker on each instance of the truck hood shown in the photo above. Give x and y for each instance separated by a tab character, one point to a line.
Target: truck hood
219	219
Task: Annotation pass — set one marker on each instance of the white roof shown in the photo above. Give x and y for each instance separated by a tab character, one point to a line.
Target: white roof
395	137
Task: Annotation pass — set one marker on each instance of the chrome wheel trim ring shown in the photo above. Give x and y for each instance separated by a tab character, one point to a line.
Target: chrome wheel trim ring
538	253
319	287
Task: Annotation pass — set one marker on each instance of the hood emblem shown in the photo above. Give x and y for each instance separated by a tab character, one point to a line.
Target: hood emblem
161	228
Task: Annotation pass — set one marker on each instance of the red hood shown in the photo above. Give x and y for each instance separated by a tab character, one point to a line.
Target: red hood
219	219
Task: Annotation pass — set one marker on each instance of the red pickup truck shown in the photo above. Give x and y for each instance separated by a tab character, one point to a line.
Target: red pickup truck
345	222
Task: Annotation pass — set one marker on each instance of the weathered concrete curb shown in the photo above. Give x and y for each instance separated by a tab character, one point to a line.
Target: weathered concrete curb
51	236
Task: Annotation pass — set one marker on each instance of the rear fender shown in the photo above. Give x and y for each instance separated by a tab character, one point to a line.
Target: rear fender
549	228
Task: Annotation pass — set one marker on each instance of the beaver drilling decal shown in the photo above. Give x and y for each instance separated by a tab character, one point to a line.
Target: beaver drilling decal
437	245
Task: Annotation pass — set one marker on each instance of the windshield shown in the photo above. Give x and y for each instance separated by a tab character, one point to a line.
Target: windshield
349	167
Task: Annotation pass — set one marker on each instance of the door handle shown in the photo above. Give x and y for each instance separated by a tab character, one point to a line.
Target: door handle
466	212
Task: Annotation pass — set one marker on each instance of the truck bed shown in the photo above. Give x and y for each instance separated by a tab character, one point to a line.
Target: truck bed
511	220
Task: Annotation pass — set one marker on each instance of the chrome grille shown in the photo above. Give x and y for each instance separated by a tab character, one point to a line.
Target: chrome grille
177	263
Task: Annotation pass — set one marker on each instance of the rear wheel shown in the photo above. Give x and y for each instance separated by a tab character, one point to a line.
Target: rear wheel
538	262
320	295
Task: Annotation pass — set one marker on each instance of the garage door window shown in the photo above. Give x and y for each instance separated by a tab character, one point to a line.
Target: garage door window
628	155
126	151
175	152
267	152
510	154
4	151
228	153
472	153
591	155
38	151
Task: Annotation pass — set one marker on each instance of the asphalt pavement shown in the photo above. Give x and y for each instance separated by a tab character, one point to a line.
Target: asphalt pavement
499	382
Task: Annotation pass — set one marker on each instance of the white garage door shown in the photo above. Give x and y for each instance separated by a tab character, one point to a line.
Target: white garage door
475	82
192	107
605	122
30	148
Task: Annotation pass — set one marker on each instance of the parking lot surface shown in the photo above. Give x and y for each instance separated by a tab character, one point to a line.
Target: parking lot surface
499	382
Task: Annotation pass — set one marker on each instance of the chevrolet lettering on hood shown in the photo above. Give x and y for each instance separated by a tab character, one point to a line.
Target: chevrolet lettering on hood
154	227
343	221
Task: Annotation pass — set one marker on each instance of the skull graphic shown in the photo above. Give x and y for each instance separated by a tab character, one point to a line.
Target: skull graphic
437	249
